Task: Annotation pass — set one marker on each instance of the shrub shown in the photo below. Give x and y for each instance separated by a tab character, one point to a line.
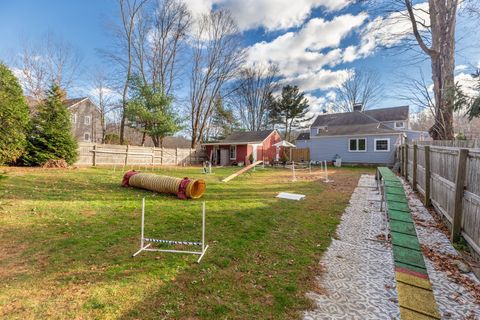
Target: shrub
14	117
51	135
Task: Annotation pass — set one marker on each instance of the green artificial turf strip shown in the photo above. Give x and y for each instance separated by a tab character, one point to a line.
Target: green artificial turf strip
405	240
408	257
403	227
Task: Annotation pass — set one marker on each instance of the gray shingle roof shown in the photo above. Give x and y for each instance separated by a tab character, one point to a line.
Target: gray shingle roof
365	117
71	102
366	122
370	128
304	136
389	114
245	137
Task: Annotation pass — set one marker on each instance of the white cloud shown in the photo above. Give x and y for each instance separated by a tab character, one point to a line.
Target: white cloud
387	32
317	80
461	67
467	83
304	51
270	14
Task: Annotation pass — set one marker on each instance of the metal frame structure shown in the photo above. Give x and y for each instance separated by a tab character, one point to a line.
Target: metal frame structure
146	247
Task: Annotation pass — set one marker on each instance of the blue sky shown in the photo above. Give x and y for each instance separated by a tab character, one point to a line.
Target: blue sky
314	41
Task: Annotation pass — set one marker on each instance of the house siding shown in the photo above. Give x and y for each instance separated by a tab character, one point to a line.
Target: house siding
325	148
86	109
268	150
302	144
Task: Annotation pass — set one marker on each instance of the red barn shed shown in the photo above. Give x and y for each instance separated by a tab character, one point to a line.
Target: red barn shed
239	146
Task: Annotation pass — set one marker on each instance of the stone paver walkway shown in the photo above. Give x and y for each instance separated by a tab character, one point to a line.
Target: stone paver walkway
359	281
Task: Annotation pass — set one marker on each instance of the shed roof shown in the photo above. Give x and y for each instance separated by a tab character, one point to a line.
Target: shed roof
243	137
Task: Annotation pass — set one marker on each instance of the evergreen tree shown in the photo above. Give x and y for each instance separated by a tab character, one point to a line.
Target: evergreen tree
223	121
151	112
14	117
51	134
290	110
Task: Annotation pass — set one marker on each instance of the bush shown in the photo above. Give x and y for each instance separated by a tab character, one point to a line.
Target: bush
51	135
14	117
112	138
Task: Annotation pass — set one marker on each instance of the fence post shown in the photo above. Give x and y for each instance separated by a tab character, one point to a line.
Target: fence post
153	156
94	158
176	156
406	161
161	156
414	167
400	155
428	202
459	191
126	156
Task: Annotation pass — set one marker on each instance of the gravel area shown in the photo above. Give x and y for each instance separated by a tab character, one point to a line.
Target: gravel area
358	279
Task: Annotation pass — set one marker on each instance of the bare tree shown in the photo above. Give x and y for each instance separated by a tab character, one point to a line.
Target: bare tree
432	31
168	31
102	94
50	60
217	56
251	95
122	53
360	87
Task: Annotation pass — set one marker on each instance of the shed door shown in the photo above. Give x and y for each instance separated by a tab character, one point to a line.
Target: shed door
224	155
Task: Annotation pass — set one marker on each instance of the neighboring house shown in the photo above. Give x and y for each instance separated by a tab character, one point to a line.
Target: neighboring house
302	140
86	119
365	137
84	115
239	146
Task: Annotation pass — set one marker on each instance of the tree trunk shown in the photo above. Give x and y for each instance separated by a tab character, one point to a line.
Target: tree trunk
443	16
144	137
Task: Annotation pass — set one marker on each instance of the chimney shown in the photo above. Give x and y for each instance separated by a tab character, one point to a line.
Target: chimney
357	107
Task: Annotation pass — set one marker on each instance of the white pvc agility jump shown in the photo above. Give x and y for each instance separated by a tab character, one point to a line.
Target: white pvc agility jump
146	247
300	167
324	168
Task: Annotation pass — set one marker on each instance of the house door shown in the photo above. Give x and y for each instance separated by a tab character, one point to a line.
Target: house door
224	155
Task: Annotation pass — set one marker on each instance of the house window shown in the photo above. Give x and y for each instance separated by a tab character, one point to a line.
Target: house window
357	145
87	120
399	124
233	152
86	136
382	145
74	118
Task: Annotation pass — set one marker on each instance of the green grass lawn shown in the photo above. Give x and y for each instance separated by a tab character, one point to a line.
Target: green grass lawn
67	236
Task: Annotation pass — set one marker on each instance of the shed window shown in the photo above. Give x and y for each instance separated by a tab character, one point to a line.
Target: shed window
87	119
86	136
382	145
233	152
357	145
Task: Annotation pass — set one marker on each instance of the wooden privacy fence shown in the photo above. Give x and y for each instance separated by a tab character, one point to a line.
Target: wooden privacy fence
299	155
91	154
449	179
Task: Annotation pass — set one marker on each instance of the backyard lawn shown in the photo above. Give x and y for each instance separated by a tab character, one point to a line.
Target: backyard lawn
67	236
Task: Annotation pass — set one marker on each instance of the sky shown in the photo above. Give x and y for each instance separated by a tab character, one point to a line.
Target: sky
314	42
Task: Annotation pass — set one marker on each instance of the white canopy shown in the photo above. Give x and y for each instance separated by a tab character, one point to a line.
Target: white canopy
284	143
